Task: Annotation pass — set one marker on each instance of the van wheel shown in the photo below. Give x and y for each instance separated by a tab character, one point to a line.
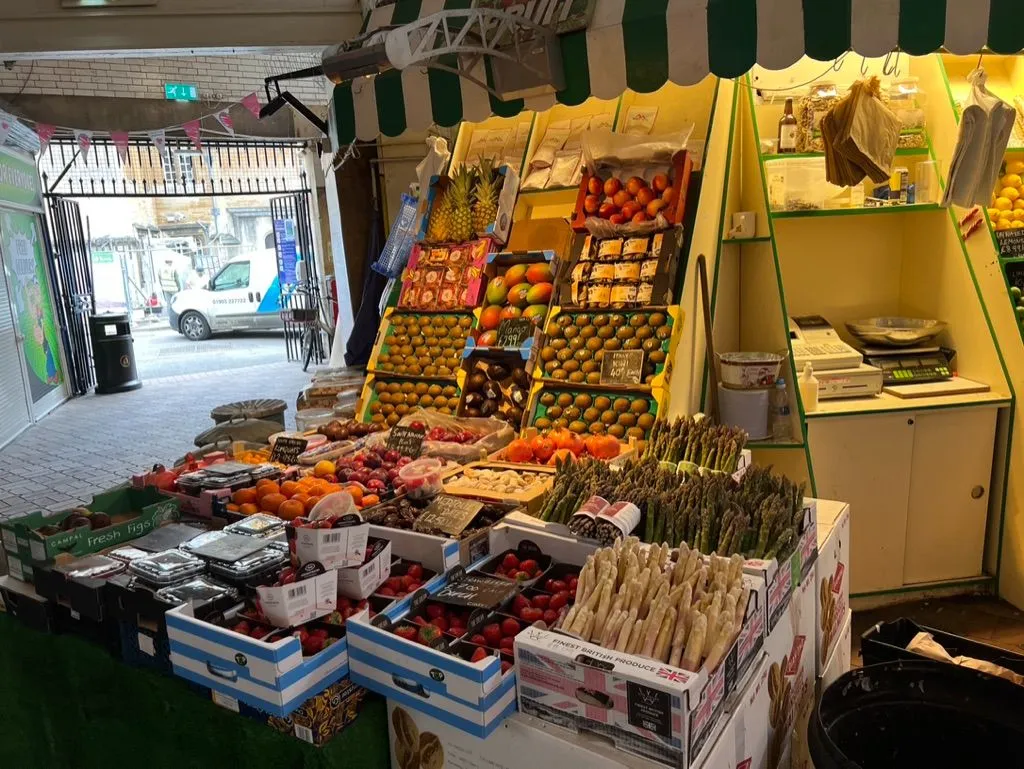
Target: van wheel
194	326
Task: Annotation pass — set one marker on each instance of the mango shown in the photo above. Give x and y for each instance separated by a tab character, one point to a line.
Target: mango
536	312
517	295
516	274
540	293
539	273
497	291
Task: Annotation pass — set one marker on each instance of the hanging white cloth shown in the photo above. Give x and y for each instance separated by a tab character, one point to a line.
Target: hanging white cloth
985	127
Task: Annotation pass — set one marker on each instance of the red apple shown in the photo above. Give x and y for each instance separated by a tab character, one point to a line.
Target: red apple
631	208
607	210
645	196
640	217
635	184
621	197
594	185
660	182
617	219
591	204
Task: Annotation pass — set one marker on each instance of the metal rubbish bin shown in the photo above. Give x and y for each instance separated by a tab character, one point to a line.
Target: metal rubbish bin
113	353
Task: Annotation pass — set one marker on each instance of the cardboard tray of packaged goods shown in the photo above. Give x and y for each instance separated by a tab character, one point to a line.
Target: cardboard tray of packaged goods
366	410
632	421
475	697
131	512
462	320
448	277
682	167
530	498
653	331
648	263
275	677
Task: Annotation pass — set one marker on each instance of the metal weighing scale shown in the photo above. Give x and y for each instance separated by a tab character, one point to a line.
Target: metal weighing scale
911	365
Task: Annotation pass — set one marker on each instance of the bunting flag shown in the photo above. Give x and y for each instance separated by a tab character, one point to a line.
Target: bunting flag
5	130
45	132
84	141
192	129
159	139
252	103
120	140
224	118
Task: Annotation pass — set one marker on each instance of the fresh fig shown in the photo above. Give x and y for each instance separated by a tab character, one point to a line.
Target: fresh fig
489	408
492	391
520	378
476	381
497	372
99	520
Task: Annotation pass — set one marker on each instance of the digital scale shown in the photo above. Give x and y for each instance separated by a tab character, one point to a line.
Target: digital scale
911	365
838	367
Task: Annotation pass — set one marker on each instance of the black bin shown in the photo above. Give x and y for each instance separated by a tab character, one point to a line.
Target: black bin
113	353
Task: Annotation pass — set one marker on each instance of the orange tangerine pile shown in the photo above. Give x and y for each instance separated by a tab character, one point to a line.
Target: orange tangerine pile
289	500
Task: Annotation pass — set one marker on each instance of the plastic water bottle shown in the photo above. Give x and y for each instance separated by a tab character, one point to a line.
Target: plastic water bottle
782	427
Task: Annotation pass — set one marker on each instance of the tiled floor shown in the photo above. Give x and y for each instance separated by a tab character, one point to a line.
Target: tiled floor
982	618
97	441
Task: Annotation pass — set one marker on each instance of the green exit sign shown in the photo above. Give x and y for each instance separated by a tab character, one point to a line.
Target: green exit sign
181	92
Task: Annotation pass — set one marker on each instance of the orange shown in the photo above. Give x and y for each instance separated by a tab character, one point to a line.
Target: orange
289	488
244	495
264	482
357	494
248	508
290	509
370	500
323	467
270	487
232	507
271	502
311	503
300	497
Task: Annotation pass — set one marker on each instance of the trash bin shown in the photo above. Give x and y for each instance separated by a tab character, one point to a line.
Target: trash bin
256	408
917	713
113	353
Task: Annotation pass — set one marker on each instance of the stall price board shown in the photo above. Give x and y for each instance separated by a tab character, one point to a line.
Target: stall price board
513	332
478	591
406	441
1011	242
622	367
287	450
448	514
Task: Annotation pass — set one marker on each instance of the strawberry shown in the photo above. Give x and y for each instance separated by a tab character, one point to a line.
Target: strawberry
540	601
406	632
414	586
420	621
492	634
572	582
479	640
440	623
505	667
435	610
479	654
406	581
415	571
519	603
558	601
385	590
531	615
510	562
510	627
550	617
555	586
530	566
522	576
507	643
395	583
428	634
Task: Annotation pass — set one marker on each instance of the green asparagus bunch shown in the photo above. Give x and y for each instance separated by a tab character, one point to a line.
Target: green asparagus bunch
685	439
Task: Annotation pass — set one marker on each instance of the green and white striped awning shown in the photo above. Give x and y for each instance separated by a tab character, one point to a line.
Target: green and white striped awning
642	44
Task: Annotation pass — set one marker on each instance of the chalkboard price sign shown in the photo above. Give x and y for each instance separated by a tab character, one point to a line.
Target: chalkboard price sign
476	590
448	514
1011	242
513	332
406	441
622	367
287	450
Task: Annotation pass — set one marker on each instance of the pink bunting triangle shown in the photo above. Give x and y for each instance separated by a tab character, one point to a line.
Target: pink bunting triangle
192	130
159	140
224	118
120	140
5	130
84	141
252	103
45	132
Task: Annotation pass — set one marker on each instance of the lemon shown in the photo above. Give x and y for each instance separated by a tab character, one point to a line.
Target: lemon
1016	225
1009	192
1018	215
993	214
1006	214
1019	203
1011	180
1016	167
1002	224
1003	203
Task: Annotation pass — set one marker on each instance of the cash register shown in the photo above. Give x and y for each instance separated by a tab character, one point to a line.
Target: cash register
839	368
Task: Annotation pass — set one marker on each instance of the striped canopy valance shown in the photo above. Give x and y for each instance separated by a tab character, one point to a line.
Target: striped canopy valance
641	44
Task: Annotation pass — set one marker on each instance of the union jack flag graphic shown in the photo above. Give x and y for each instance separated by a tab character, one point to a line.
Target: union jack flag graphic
675	676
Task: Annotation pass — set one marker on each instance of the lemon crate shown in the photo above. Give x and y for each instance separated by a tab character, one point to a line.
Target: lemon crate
593	323
542	408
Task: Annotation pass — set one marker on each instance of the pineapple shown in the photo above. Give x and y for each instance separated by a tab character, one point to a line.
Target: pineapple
439	225
485	194
460	193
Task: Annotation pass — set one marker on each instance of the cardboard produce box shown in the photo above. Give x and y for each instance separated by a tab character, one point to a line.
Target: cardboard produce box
362	580
333	548
132	513
313	594
553	234
832	598
747	714
273	677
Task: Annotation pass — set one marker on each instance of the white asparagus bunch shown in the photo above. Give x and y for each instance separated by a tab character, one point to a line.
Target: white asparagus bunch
637	599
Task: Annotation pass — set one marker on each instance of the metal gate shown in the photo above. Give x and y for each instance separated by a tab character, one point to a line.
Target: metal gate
71	275
301	307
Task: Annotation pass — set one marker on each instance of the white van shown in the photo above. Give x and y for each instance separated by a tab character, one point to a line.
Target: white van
245	295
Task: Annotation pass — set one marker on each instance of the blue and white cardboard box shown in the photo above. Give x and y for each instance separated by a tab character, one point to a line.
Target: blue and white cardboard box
438	554
273	677
473	697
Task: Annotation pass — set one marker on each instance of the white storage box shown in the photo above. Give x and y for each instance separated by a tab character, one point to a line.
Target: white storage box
332	548
832	594
434	553
300	601
360	581
273	677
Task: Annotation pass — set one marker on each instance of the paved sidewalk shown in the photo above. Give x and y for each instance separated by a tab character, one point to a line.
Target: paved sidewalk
97	441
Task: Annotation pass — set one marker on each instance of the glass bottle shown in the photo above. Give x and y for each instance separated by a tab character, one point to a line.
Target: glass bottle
787	129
